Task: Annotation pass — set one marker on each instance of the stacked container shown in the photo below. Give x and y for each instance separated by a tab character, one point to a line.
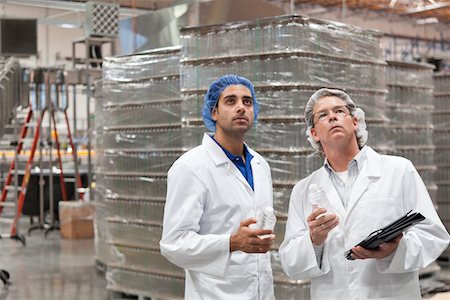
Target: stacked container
441	120
138	138
410	111
287	58
10	87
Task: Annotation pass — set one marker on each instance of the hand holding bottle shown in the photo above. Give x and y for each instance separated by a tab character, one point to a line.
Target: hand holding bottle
320	221
266	219
247	238
317	198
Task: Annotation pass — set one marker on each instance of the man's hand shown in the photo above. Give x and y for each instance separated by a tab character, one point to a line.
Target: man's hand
382	251
247	240
319	227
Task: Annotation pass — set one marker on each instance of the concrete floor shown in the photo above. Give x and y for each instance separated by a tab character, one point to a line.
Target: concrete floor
51	268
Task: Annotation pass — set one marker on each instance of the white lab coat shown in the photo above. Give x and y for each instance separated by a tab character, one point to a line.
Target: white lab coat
207	198
386	188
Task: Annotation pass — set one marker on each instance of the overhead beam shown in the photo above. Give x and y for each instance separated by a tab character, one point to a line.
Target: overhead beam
426	8
72	6
60	23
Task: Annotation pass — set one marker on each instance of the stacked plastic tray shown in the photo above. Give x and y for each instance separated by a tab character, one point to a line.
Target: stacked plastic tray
287	58
441	120
10	87
138	134
410	113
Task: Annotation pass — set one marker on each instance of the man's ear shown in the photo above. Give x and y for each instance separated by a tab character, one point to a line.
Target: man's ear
214	112
314	134
355	123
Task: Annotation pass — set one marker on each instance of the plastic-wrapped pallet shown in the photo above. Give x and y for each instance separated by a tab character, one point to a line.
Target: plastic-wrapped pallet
441	121
10	87
139	131
410	113
101	247
287	58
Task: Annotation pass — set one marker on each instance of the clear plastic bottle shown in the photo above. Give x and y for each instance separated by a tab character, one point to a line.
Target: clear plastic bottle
317	198
266	219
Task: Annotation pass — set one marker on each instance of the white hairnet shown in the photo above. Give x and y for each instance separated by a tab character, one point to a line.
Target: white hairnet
358	113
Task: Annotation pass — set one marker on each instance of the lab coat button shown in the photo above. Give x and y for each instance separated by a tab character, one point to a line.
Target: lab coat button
349	269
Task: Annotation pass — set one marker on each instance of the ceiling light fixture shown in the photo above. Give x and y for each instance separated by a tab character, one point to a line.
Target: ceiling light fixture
427	21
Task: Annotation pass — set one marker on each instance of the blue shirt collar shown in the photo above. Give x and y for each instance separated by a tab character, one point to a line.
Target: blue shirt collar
231	156
244	168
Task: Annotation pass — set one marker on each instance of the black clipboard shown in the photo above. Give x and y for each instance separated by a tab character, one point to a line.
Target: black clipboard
388	232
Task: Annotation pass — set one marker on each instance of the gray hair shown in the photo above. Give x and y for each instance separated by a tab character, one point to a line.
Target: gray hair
358	113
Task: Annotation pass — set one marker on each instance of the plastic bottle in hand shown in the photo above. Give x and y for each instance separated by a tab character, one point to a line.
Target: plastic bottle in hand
317	198
266	220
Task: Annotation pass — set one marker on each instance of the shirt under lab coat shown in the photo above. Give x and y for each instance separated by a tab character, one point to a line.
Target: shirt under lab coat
207	198
386	188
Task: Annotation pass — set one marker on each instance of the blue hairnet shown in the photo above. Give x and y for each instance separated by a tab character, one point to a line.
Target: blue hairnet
213	94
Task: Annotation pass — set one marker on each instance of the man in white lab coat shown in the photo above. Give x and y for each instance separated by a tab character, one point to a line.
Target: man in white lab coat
214	193
364	191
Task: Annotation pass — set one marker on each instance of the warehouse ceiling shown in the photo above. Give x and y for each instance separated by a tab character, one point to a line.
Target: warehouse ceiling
396	17
420	9
144	4
426	11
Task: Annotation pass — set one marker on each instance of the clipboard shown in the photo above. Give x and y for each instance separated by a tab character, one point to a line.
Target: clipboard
389	232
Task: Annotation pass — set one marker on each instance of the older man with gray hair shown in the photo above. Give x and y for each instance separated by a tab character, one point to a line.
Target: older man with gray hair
362	191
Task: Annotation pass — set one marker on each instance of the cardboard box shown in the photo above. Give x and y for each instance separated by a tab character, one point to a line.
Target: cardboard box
76	219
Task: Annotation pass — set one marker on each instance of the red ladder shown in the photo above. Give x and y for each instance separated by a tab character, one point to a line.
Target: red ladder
27	172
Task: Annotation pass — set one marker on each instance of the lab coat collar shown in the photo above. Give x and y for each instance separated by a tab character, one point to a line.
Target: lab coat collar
359	159
369	171
372	163
331	193
219	157
217	153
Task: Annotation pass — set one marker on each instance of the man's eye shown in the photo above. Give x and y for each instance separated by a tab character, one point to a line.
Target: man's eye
248	102
340	111
322	115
